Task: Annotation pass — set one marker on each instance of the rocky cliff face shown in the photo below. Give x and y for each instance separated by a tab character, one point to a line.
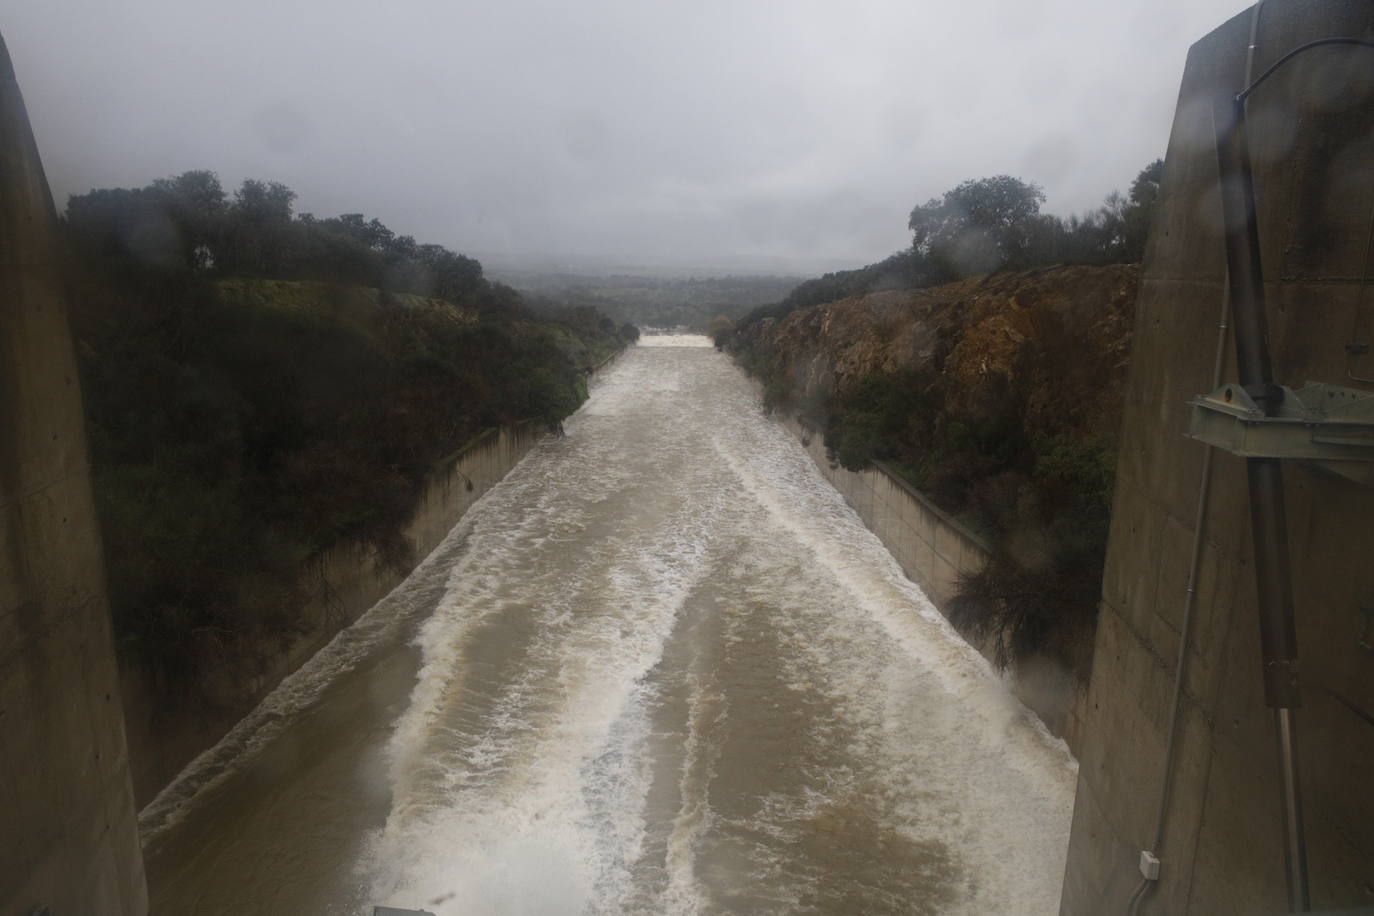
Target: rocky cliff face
1059	336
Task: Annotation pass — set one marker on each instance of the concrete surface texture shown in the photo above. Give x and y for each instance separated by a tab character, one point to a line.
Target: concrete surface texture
934	550
1313	151
69	839
343	583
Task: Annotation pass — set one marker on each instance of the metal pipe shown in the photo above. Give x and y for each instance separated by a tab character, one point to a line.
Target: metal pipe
1189	603
1294	848
1245	275
1186	626
1268	519
1199	526
1184	642
1273	580
1204	494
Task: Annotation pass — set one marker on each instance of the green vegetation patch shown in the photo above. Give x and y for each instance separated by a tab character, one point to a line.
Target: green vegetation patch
247	412
1044	502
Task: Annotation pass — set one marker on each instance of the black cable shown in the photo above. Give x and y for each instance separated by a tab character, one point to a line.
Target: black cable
1294	53
1134	906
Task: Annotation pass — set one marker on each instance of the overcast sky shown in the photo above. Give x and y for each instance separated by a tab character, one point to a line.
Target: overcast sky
634	130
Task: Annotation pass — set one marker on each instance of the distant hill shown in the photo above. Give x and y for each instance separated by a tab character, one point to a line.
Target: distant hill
652	301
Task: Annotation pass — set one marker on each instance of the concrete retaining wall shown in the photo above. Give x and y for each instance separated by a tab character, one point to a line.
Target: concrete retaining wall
343	583
934	550
1313	154
68	834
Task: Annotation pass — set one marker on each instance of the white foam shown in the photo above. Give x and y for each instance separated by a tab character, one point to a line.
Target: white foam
299	691
675	340
522	767
960	761
555	767
1009	781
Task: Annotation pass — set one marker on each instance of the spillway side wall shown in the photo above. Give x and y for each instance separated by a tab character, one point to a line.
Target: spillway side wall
935	550
340	585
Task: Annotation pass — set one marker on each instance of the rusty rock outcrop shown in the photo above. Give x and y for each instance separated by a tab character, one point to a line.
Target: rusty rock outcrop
1060	335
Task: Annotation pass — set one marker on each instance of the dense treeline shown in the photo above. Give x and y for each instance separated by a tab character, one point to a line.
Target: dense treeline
261	387
189	223
985	225
1042	496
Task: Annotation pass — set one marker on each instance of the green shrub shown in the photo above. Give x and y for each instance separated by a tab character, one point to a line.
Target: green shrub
1028	610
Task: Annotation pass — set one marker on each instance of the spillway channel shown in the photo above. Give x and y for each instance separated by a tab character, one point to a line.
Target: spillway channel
660	668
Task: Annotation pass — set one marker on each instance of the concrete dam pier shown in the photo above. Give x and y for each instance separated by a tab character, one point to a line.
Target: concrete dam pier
1222	825
70	839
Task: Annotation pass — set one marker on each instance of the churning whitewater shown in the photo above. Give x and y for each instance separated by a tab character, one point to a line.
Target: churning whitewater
663	668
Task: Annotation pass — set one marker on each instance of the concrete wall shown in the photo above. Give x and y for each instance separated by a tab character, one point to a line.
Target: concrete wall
931	547
1314	161
342	584
934	550
68	834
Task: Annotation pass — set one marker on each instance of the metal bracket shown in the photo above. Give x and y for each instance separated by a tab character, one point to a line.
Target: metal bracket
1327	425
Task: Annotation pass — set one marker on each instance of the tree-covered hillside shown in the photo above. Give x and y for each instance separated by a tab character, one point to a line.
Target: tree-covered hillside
985	225
262	386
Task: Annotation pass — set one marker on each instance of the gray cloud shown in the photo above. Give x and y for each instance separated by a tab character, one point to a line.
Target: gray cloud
633	129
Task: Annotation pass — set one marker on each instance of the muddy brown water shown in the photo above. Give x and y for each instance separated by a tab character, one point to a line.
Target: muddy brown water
661	668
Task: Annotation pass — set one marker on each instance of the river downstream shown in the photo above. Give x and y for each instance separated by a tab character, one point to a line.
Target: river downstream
661	668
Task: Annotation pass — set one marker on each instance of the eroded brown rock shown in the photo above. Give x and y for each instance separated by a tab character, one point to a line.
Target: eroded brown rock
1060	335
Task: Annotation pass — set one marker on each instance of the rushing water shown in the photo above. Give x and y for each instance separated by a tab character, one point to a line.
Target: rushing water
661	668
